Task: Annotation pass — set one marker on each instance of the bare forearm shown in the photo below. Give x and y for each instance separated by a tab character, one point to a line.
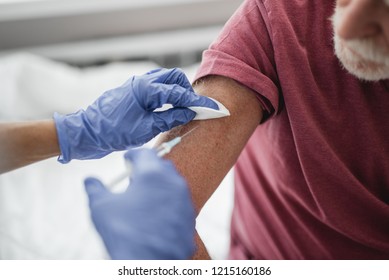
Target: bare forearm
23	143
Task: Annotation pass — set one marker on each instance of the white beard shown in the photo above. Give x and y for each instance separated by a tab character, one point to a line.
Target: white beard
364	58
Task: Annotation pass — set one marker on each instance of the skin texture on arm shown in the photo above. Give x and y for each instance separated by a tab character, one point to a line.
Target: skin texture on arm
206	155
23	143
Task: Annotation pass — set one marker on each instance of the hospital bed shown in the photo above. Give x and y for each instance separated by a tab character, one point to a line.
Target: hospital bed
43	207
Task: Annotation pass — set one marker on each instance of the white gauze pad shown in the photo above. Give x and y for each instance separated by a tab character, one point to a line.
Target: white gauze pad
202	113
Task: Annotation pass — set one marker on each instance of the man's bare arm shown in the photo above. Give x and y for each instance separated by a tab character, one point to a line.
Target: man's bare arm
23	143
208	153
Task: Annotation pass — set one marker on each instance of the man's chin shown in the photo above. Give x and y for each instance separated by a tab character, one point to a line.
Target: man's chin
356	65
366	71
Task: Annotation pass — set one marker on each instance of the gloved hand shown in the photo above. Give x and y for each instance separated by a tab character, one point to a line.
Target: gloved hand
153	219
123	117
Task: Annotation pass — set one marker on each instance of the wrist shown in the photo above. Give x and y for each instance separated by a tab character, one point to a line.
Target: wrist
63	142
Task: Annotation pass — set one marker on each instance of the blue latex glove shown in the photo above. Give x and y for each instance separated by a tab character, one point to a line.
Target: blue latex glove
123	117
153	219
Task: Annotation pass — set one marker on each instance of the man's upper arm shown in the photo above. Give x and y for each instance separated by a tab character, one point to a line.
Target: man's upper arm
206	155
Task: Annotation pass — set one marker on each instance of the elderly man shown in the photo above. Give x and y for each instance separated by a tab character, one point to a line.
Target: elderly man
308	132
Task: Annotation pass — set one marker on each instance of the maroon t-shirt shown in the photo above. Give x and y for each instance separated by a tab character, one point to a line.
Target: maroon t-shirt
313	180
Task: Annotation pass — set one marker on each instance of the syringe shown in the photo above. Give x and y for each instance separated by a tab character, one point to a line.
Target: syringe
162	150
166	147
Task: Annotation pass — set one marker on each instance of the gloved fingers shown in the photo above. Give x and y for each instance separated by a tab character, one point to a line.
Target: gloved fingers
151	171
133	154
166	120
171	76
176	95
95	189
182	98
185	98
142	159
177	76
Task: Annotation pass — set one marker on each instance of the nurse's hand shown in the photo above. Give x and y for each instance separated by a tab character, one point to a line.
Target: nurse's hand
124	117
153	219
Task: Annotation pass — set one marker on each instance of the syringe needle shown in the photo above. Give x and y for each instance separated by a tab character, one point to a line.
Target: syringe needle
188	132
166	147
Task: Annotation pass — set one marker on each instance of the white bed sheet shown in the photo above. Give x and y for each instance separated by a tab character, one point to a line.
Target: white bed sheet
43	207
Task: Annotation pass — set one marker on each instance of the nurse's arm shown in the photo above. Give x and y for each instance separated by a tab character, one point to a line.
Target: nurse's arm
23	143
206	155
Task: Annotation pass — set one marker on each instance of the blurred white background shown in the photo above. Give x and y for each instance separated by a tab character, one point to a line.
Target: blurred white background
60	55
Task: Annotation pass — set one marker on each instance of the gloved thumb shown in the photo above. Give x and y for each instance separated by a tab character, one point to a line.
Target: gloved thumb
94	188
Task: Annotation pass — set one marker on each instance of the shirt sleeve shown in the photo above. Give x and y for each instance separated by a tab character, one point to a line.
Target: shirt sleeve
243	51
